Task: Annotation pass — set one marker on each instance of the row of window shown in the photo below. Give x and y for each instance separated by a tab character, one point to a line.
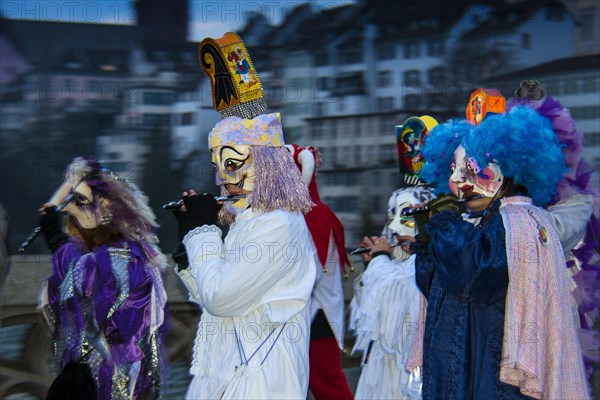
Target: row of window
416	100
150	120
352	127
411	49
572	85
356	156
586	112
592	140
158	98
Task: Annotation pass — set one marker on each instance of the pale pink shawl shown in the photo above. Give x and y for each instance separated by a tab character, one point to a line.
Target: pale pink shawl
541	353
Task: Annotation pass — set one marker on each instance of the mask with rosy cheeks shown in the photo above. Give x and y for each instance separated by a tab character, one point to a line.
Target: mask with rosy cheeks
83	208
234	171
470	180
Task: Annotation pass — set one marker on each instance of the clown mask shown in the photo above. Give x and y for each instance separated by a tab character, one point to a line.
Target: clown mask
472	182
398	225
234	172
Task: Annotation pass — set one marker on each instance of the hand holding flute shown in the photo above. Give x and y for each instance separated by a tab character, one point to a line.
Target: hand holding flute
374	244
197	210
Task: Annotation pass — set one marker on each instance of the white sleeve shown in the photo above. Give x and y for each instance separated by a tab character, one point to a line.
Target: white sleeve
569	219
230	282
190	284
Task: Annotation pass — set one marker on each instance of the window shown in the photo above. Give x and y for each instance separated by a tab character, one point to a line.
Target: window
385	103
351	56
412	49
298	59
592	84
340	178
333	159
325	83
156	120
388	153
357	125
333	128
526	40
436	75
587	26
343	204
321	58
412	77
412	101
317	130
386	52
158	98
592	139
384	78
376	178
357	155
436	48
376	202
319	109
187	118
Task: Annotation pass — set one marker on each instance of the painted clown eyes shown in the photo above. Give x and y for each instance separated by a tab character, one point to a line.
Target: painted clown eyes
232	164
468	169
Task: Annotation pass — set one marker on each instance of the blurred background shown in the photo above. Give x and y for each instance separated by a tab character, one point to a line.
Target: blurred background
120	80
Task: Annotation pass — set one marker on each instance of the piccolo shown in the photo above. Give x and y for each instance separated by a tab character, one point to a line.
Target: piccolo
409	212
174	205
66	191
362	250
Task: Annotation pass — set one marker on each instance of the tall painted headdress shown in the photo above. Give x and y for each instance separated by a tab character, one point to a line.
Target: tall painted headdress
237	94
236	88
409	139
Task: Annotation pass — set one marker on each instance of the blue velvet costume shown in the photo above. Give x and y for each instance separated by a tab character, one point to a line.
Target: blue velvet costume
463	273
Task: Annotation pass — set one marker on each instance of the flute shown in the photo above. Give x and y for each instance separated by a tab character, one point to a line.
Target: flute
409	212
362	250
174	205
36	232
66	191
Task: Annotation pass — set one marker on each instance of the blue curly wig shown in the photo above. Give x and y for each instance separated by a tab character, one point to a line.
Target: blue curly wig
525	147
438	151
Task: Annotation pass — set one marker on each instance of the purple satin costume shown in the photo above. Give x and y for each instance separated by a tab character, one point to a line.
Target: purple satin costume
108	309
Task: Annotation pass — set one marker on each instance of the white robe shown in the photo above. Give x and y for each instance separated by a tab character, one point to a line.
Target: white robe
384	312
328	293
254	291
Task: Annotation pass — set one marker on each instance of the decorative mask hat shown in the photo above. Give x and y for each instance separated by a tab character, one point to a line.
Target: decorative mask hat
247	145
484	101
409	137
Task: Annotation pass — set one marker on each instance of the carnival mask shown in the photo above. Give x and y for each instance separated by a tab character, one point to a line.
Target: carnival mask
234	171
401	199
83	208
470	180
398	225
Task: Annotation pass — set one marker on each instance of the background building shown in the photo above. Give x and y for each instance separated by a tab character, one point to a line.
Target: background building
343	77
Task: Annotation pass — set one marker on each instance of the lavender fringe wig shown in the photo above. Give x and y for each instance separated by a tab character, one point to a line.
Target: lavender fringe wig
580	179
278	184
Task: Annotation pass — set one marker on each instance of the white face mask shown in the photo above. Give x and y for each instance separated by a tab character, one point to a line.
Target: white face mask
404	226
234	170
470	181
